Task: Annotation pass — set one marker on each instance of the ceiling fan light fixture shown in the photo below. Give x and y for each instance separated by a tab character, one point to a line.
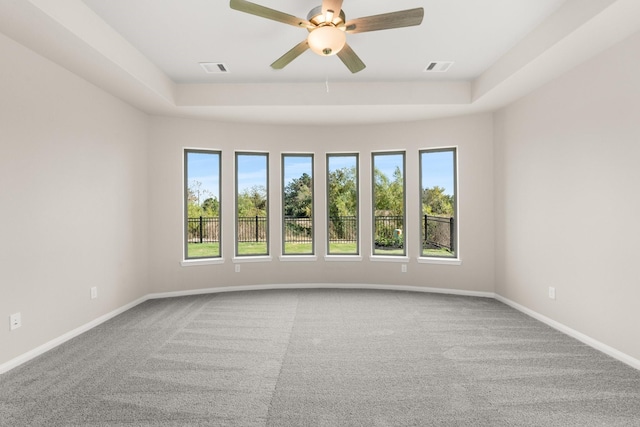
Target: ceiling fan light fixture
326	40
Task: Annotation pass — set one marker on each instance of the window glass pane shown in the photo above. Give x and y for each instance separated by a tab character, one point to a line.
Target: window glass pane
252	204
202	191
389	202
297	204
438	201
342	204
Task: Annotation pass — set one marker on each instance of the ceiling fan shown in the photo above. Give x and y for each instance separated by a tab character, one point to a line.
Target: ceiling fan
328	29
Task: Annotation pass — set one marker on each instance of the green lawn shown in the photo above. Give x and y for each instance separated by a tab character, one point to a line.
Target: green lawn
200	250
298	248
437	252
389	251
252	248
343	248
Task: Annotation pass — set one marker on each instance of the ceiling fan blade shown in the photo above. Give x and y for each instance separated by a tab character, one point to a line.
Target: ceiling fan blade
285	59
350	59
333	5
265	12
386	21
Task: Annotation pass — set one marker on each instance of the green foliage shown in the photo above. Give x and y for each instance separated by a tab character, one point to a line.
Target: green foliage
342	198
389	194
196	206
389	202
298	197
436	202
342	193
211	207
253	202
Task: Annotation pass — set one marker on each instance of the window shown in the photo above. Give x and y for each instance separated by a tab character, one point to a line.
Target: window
342	204
389	203
297	204
252	204
438	202
202	204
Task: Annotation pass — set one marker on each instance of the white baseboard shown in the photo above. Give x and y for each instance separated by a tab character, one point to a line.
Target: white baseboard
604	348
13	363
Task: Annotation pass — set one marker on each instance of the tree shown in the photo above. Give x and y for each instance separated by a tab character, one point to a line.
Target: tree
253	202
389	202
298	197
195	192
342	198
209	207
389	195
436	202
343	195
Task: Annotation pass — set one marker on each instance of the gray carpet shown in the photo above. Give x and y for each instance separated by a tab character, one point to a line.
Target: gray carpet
323	357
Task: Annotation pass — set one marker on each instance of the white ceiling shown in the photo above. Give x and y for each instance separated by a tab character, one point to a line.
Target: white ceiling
177	35
147	52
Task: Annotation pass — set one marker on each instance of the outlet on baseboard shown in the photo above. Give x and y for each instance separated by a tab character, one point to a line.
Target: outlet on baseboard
15	320
552	292
94	292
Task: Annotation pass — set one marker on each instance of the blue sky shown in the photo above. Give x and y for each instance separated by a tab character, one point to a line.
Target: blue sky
252	171
340	162
387	163
437	169
296	166
204	167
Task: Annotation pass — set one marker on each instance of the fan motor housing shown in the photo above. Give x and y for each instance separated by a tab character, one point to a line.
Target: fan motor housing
316	17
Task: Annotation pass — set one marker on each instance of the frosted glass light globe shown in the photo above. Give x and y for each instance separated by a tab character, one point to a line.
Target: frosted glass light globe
327	40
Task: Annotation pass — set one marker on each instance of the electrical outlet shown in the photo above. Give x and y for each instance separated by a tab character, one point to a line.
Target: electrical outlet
552	292
404	268
237	268
15	320
94	292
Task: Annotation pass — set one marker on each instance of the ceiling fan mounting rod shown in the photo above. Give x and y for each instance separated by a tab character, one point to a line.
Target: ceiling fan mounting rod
318	18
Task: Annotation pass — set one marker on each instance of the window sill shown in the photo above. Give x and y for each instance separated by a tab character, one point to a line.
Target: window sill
349	258
441	261
257	258
204	261
303	258
389	258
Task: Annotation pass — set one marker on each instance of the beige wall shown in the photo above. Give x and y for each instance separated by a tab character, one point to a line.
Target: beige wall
73	204
568	198
472	135
91	195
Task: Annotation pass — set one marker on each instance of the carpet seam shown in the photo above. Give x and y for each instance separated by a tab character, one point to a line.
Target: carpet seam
284	357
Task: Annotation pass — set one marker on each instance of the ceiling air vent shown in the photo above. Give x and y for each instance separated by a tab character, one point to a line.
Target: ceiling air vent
438	66
214	67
